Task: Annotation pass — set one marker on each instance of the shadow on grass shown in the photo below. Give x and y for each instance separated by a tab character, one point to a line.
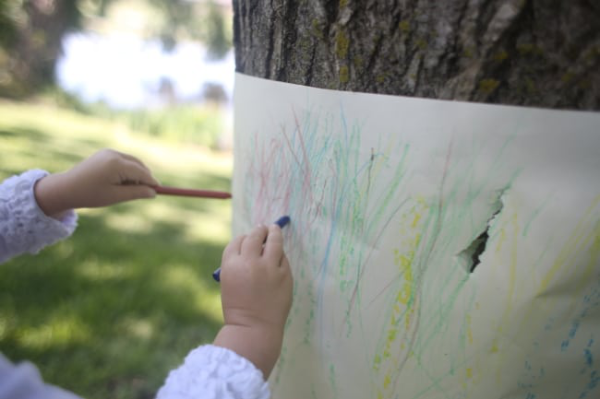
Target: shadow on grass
8	133
30	134
45	149
108	313
37	137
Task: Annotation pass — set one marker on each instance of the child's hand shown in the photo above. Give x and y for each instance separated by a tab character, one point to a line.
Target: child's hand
256	282
107	177
256	285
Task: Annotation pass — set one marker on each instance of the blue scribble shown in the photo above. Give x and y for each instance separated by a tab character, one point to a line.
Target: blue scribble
589	360
574	328
594	379
524	386
593	384
565	344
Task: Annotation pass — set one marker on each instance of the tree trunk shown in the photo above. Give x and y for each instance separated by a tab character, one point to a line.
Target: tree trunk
521	52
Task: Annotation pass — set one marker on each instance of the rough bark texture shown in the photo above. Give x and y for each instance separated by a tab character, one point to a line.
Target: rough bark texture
521	52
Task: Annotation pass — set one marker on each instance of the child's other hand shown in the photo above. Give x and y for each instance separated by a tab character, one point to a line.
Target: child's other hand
256	282
106	178
256	286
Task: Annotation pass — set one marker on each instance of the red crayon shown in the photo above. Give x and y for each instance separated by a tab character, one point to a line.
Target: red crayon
188	192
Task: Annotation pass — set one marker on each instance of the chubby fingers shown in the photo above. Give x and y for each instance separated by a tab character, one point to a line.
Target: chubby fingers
234	247
129	180
274	244
132	171
253	243
133	159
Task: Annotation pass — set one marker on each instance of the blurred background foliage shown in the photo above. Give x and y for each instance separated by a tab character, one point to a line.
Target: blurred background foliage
31	32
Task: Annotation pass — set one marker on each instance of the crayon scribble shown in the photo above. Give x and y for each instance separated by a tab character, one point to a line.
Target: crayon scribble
412	327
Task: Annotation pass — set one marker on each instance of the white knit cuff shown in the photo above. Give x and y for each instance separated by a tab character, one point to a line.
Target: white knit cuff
23	225
212	372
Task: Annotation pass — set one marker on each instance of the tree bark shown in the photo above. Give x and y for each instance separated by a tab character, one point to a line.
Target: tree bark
521	52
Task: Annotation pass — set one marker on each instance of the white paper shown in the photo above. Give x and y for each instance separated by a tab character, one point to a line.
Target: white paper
384	194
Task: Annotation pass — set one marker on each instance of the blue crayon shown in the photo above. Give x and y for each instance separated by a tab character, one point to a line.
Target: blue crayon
281	222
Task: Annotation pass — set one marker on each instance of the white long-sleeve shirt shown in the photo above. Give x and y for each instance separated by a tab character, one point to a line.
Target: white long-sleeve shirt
208	372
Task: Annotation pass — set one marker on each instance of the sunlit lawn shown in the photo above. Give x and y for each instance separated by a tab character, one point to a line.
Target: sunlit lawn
108	312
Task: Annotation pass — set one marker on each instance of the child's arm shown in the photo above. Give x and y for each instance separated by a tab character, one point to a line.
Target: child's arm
256	289
36	207
256	284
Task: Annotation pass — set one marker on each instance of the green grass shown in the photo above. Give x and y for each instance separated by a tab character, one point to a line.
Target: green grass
108	312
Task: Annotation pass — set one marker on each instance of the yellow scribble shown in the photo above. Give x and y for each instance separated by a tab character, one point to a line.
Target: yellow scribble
494	348
403	308
386	381
577	241
501	240
416	220
469	329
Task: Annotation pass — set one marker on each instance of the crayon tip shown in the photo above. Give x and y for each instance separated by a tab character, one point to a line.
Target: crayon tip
282	221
